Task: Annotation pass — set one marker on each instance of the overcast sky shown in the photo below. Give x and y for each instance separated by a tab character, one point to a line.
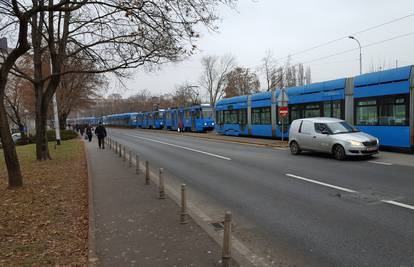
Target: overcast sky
286	27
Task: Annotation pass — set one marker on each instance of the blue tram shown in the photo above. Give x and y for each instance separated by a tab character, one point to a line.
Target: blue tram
125	119
380	103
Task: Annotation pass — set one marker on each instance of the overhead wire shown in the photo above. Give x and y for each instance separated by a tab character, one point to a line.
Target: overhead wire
364	46
347	36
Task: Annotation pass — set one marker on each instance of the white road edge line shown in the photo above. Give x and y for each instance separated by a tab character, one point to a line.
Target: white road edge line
183	147
398	204
381	163
321	183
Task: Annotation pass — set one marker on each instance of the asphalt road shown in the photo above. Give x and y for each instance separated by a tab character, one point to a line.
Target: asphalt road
307	210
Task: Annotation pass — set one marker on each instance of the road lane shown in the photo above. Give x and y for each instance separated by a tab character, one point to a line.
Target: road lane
368	177
323	228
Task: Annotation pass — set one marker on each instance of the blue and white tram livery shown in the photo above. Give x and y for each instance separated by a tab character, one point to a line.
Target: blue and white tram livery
380	103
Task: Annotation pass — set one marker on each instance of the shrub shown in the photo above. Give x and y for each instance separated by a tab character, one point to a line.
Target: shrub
64	135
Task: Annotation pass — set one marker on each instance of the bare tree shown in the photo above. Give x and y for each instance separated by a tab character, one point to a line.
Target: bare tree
308	75
269	70
300	75
186	95
17	104
77	90
241	81
214	74
15	21
116	36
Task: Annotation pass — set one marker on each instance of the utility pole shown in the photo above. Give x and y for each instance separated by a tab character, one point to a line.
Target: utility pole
360	53
55	110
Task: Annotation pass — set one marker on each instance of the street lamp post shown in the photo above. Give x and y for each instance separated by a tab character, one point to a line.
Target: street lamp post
360	53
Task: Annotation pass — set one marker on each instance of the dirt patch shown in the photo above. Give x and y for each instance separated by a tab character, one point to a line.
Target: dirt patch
46	221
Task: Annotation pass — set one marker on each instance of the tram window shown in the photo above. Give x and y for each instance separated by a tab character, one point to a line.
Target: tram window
337	109
255	115
234	116
207	113
332	109
220	117
327	109
295	113
231	116
393	111
261	115
312	110
266	116
366	112
197	114
242	116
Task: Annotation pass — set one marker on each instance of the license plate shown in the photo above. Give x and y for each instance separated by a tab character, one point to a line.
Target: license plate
371	148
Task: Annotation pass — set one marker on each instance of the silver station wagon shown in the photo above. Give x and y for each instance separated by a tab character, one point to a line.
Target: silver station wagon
330	135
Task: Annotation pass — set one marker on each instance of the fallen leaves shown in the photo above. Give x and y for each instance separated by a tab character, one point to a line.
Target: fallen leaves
45	223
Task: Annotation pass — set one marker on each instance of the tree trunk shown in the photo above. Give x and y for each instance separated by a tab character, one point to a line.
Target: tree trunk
42	149
62	121
9	149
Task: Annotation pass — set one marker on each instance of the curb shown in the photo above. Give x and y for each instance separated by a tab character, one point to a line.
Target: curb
92	257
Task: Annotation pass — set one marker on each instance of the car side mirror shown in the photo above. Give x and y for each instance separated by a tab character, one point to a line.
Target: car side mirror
325	132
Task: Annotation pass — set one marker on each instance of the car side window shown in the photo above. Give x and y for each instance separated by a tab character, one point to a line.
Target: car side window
321	128
307	127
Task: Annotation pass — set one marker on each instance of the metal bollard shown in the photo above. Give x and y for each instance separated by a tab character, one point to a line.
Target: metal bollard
183	215
116	147
125	154
147	174
110	143
120	150
130	158
226	253
162	184
137	163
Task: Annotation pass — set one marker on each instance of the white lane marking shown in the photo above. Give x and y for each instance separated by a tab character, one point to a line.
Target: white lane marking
381	163
280	148
398	204
321	183
183	147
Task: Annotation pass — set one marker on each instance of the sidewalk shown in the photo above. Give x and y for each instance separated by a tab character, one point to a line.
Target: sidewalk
130	226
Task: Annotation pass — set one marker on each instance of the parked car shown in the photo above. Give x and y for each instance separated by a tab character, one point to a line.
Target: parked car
16	137
330	135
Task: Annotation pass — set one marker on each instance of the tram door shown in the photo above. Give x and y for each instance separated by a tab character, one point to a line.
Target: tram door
173	118
193	119
180	117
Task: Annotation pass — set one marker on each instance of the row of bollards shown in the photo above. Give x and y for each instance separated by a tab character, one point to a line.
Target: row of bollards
121	152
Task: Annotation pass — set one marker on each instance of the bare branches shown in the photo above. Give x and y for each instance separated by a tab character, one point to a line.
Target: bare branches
214	74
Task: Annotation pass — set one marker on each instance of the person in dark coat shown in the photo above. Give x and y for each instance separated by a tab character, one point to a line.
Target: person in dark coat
100	132
89	132
82	130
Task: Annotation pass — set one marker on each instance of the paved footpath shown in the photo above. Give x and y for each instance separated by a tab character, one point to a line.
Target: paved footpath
131	227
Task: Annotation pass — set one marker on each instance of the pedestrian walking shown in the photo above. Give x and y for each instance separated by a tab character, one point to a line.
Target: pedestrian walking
100	132
82	130
180	126
89	133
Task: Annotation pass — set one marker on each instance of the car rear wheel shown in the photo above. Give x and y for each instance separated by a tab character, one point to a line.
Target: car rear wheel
339	152
294	148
